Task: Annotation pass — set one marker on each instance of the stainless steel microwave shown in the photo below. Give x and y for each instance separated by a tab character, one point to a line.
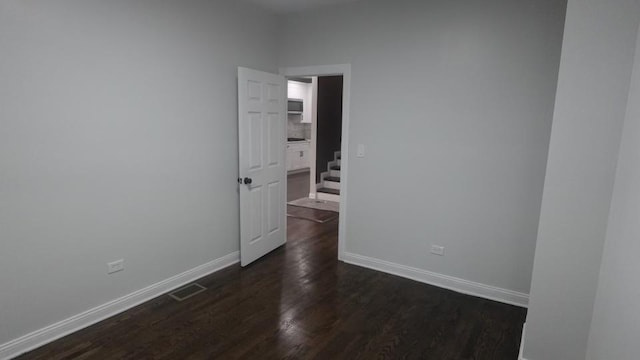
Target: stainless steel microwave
294	106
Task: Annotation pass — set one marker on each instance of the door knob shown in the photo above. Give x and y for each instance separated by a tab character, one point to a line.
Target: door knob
247	181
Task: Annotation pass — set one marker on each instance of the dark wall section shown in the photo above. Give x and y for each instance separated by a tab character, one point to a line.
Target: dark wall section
329	134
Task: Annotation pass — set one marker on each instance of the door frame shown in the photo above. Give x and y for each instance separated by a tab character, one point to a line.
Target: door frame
313	185
345	71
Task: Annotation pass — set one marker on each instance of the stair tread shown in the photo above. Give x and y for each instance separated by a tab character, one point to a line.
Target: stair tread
329	191
336	167
333	178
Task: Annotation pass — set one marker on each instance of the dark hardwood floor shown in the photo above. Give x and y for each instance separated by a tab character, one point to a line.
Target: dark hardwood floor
299	302
298	186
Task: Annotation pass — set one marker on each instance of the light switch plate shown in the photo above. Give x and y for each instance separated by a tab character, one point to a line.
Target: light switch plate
115	266
437	250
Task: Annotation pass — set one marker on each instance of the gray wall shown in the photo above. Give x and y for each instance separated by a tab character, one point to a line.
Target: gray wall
454	102
593	84
616	319
118	128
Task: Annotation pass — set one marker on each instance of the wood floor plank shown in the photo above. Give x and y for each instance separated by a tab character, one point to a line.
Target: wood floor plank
299	302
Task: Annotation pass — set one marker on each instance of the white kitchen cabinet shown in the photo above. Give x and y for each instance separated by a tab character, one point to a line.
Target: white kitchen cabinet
307	101
295	90
298	155
303	91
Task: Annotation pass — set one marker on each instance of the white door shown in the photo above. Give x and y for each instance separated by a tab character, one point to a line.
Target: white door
262	133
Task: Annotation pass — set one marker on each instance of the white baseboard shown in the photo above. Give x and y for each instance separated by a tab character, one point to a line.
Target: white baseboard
444	281
524	330
298	171
80	321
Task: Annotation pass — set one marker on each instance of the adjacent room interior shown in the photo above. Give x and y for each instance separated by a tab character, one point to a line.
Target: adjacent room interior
267	179
314	140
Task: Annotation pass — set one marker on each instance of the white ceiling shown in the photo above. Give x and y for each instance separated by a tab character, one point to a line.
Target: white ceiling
287	6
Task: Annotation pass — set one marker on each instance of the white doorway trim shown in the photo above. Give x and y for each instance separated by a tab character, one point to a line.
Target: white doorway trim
345	71
313	187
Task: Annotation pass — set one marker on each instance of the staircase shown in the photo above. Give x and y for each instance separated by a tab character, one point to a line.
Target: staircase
329	187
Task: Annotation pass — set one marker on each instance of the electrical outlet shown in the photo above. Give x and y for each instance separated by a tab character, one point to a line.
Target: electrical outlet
115	266
437	250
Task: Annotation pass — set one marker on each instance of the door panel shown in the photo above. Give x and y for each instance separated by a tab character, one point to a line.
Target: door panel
261	131
275	140
256	141
274	207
